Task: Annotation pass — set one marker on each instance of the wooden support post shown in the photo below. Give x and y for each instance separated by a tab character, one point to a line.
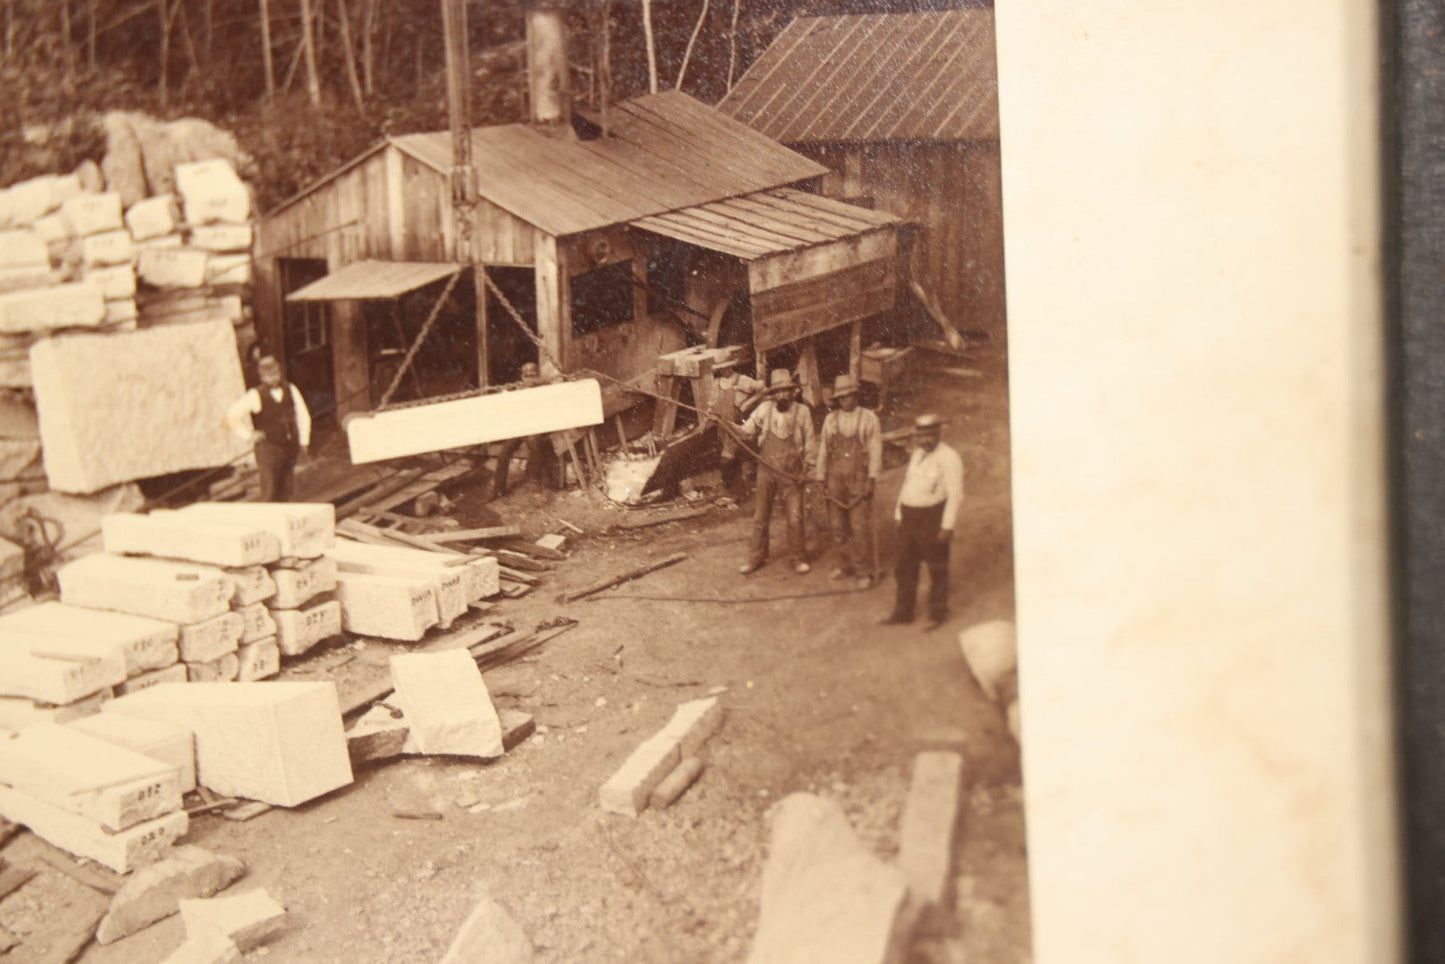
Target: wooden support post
665	419
621	433
855	352
554	297
808	374
576	462
484	363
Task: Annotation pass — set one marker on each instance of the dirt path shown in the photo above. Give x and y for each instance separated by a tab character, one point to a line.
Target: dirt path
817	698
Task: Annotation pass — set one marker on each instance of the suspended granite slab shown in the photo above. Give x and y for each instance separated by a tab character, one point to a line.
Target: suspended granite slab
163	392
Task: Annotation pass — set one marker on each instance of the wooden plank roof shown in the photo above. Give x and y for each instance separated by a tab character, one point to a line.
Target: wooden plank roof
765	223
665	151
874	77
362	280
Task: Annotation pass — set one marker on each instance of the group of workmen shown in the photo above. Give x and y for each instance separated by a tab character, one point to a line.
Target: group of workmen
846	457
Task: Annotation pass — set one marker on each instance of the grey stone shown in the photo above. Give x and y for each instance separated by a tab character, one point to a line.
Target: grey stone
490	936
155	892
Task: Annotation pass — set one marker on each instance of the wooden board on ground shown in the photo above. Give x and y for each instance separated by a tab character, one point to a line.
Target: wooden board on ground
661	518
475	535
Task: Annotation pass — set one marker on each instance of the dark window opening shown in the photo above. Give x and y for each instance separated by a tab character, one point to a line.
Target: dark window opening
666	279
601	298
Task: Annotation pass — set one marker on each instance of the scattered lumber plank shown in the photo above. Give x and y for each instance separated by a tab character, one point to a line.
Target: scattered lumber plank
359	529
476	535
468	636
676	515
518	560
514	575
246	811
420	487
13	878
378	491
574	528
536	551
627	576
492	655
96	878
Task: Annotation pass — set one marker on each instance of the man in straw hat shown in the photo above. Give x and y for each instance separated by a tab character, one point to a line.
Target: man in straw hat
785	451
273	417
850	458
730	390
926	513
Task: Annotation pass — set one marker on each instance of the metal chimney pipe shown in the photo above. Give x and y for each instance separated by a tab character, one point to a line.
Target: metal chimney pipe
548	77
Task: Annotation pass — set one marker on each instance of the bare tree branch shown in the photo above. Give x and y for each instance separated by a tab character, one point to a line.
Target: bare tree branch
687	54
651	46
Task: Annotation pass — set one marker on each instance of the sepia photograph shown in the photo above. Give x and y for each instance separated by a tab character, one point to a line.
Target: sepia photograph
506	481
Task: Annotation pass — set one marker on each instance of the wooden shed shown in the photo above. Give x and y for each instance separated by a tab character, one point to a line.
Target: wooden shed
679	226
903	110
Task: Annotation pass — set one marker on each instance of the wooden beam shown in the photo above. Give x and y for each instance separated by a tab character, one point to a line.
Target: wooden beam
627	576
476	535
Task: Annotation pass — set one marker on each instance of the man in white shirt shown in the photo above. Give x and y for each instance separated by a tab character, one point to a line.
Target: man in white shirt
850	458
786	450
926	513
273	417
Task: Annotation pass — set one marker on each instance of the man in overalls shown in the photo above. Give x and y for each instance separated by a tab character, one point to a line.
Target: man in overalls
730	390
273	417
850	459
786	450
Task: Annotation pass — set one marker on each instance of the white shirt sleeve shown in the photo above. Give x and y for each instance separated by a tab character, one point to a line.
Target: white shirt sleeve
952	467
303	417
238	416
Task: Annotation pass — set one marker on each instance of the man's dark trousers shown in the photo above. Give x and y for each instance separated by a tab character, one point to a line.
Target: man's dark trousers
919	544
276	465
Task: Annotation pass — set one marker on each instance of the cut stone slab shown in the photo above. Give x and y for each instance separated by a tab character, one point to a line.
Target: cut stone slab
991	651
516	727
297	586
171	535
305	529
164	243
219	670
930	820
490	936
277	742
122	852
176	673
554	541
142	643
248	919
166	266
53	230
211	639
391	607
692	723
377	735
178	592
88	776
31	200
675	783
17	712
221	238
460	584
228	269
472	421
260	659
211	191
258	622
253	585
23	279
115	282
156	891
89	214
205	947
154	217
446	704
49	680
627	791
166	742
79	304
299	630
164	390
120	311
24	248
112	247
825	896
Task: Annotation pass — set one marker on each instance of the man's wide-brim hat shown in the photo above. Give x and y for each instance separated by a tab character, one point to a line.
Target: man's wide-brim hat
845	385
927	423
781	380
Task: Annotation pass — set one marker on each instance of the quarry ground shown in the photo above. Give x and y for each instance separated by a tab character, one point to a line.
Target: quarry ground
818	698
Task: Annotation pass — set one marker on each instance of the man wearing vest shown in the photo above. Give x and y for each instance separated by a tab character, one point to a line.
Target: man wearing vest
927	510
786	450
273	417
850	459
730	390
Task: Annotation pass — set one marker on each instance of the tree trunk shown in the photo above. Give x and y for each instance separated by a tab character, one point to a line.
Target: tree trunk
210	27
267	64
191	51
91	40
165	10
368	45
67	49
651	46
687	54
348	49
308	48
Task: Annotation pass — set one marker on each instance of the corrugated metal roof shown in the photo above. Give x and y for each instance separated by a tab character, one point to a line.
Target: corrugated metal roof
875	77
765	223
363	280
665	151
